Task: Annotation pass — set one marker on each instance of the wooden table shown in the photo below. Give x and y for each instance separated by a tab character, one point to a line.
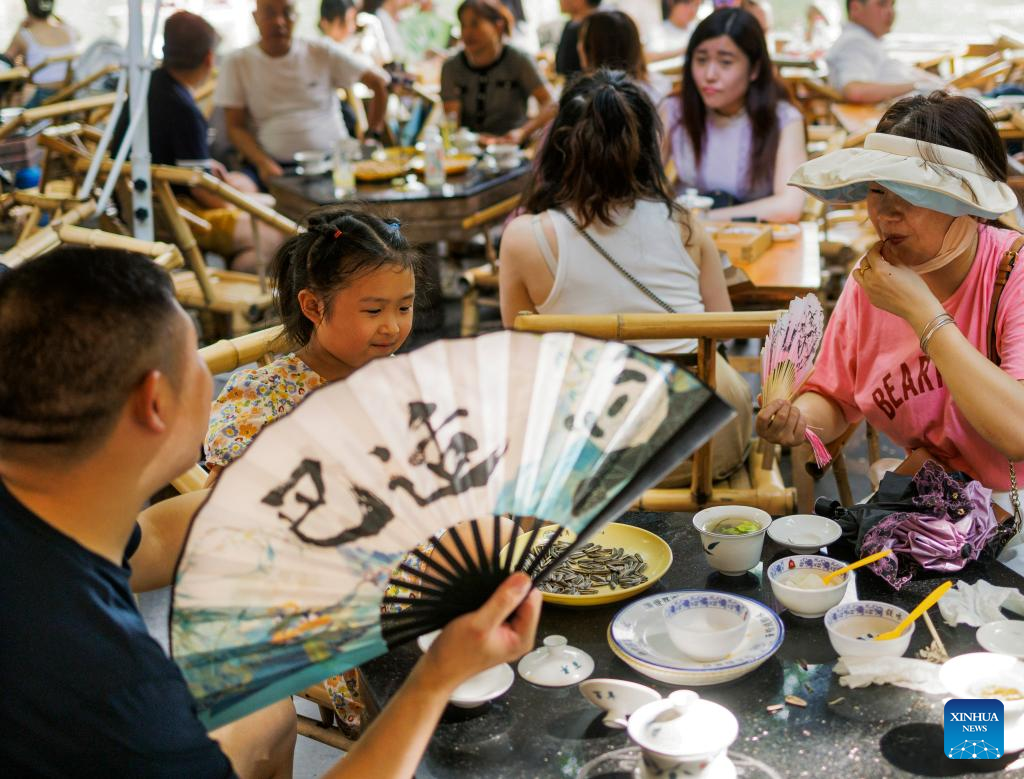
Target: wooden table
789	269
427	216
857	118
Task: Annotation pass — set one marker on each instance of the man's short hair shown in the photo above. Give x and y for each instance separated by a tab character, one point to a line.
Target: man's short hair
188	38
79	329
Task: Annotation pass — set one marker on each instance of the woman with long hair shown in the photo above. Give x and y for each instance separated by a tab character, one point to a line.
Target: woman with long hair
600	208
610	39
732	133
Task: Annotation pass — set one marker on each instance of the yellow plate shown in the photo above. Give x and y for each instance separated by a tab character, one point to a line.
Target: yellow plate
454	165
655	552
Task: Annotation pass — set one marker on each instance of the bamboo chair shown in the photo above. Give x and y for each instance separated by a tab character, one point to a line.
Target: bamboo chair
65	110
64	230
753	485
47	238
70	89
483	278
223	357
992	70
233	300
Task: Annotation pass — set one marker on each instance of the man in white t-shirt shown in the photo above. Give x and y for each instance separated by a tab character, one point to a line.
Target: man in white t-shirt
859	65
279	94
668	40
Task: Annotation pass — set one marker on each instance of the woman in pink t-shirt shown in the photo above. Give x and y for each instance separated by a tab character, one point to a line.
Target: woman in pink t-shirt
906	347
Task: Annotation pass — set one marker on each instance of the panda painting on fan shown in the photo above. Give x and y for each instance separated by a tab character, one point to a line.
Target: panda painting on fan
291	558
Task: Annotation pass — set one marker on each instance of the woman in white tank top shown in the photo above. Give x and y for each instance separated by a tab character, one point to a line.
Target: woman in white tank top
600	168
43	36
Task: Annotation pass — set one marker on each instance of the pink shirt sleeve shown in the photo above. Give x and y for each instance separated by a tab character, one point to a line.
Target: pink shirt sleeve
1010	325
835	370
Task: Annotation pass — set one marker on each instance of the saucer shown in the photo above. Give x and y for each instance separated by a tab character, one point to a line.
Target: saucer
617	697
477	690
804	533
556	664
639	637
1005	637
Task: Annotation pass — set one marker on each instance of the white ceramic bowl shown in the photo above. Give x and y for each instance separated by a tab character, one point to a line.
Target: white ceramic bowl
1005	637
477	690
847	621
804	602
732	555
974	675
618	698
707	627
312	163
804	533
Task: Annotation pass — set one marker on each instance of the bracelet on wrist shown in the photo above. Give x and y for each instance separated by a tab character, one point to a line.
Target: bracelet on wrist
929	334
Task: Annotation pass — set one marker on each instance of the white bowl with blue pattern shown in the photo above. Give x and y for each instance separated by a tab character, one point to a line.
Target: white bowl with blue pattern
852	627
638	635
806	602
707	626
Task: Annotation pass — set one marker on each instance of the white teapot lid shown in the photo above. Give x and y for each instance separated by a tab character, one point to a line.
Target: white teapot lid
683	725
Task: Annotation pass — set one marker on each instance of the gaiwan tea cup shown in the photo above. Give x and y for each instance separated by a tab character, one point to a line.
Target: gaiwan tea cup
732	537
683	735
707	626
852	627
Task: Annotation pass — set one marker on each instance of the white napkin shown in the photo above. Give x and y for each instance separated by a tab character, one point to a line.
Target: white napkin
901	671
980	603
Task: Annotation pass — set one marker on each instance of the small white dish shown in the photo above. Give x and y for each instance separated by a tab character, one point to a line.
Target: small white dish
556	664
638	636
804	533
618	698
477	690
979	674
311	163
802	602
1005	637
848	624
707	627
785	232
733	555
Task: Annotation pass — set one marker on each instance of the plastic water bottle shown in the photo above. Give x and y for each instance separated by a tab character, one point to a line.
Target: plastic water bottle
342	170
433	158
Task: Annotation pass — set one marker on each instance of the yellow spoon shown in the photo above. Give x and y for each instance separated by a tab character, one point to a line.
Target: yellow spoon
922	607
847	568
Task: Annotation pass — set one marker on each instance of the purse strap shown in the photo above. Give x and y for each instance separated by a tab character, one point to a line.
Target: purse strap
629	276
1006	265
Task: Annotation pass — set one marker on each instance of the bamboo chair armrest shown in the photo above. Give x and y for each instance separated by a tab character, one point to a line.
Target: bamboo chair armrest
194	220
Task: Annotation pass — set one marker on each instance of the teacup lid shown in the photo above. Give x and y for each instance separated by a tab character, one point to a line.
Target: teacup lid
683	725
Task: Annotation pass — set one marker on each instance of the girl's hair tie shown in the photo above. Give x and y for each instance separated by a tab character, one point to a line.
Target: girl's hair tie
337	233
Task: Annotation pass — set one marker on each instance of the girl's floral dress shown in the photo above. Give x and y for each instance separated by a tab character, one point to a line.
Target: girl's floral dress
251	398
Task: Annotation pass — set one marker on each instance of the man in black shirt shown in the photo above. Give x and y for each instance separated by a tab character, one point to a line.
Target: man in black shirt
103	400
179	135
567	57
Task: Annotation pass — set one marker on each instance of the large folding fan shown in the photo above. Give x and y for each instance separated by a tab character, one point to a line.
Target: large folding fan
282	579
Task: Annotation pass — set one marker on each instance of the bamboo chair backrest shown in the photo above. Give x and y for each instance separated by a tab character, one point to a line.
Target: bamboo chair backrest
227	355
55	110
223	357
707	329
71	89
